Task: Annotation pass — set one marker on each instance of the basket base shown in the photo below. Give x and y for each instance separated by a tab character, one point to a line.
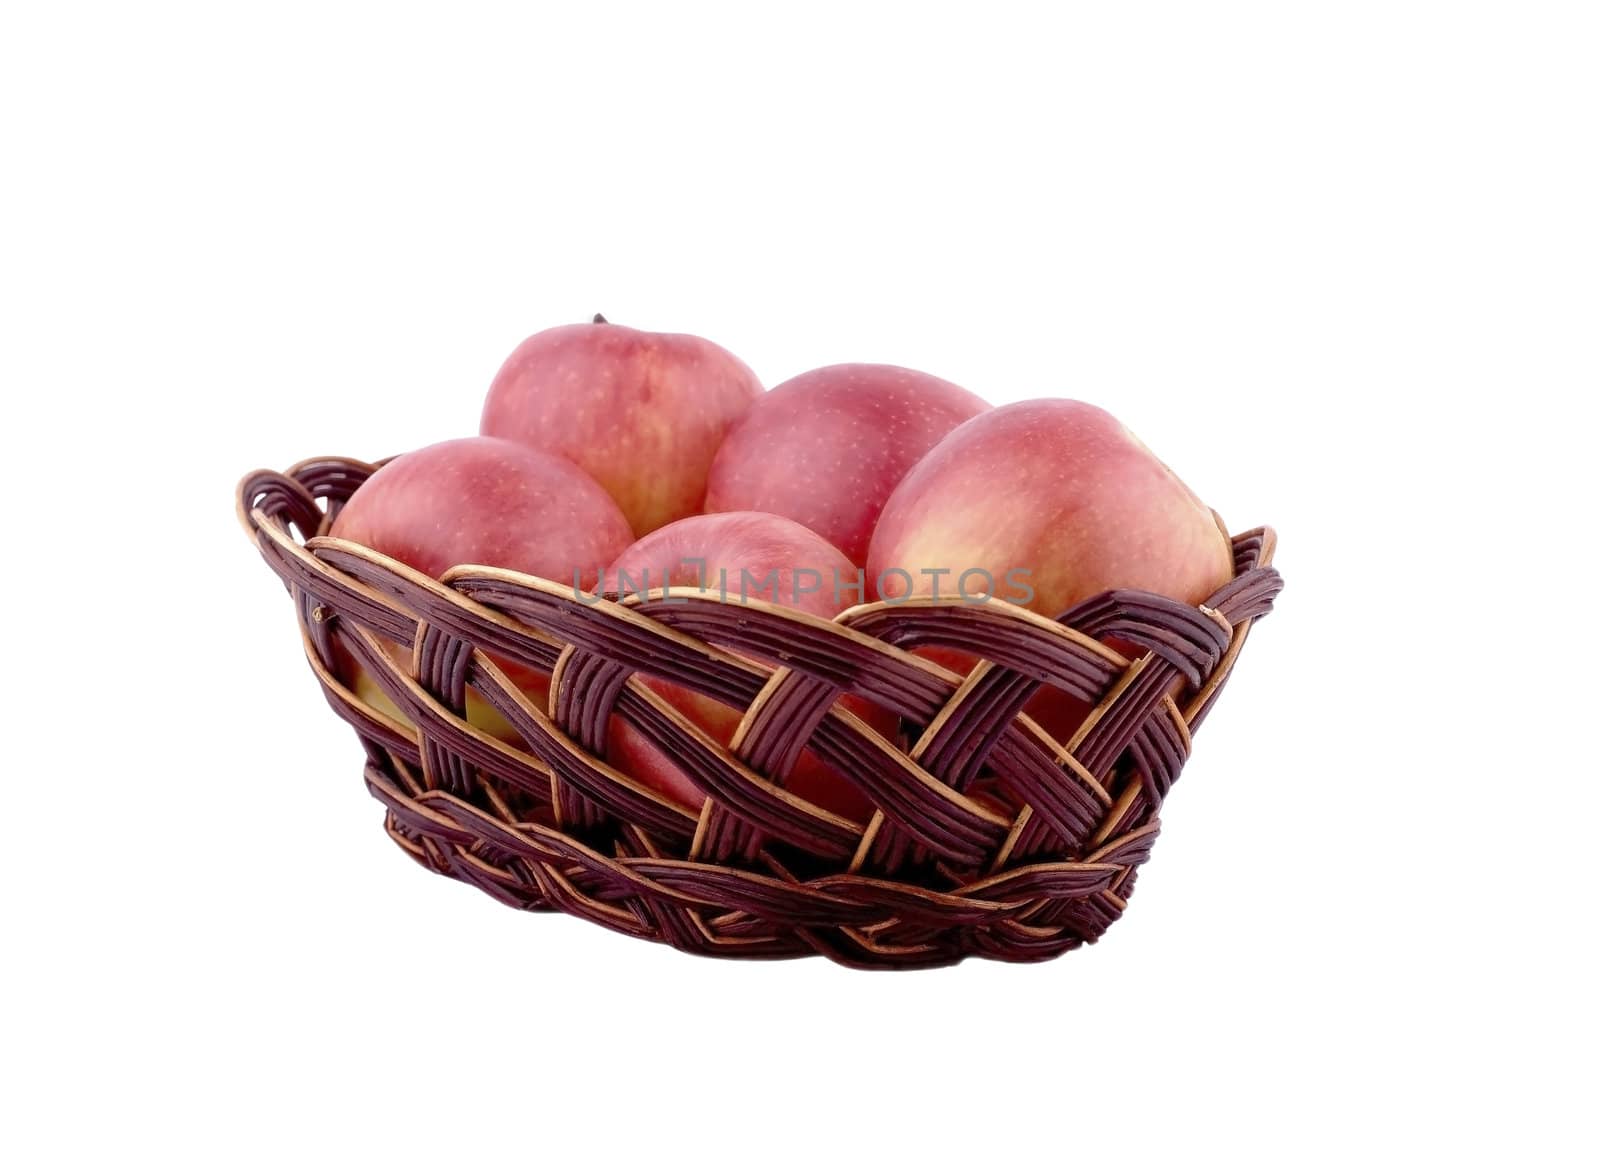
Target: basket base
1035	913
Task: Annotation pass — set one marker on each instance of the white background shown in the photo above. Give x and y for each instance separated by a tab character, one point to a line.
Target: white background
1336	263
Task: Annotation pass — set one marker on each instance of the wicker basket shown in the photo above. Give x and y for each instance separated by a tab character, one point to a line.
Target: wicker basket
939	873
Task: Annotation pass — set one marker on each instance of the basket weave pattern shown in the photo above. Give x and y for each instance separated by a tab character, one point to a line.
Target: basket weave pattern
1044	863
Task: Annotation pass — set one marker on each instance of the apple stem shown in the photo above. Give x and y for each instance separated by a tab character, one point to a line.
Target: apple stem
599	318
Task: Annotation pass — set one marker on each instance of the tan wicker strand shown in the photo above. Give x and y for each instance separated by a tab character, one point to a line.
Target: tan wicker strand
939	873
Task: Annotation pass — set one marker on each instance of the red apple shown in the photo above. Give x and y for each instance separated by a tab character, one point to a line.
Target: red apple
828	447
1055	488
483	501
1045	503
641	412
776	553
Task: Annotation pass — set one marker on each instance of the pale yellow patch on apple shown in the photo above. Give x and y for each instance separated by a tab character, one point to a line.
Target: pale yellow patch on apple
479	713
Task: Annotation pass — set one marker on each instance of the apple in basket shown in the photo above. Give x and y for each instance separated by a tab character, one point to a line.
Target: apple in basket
641	412
1062	490
763	557
828	447
482	501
